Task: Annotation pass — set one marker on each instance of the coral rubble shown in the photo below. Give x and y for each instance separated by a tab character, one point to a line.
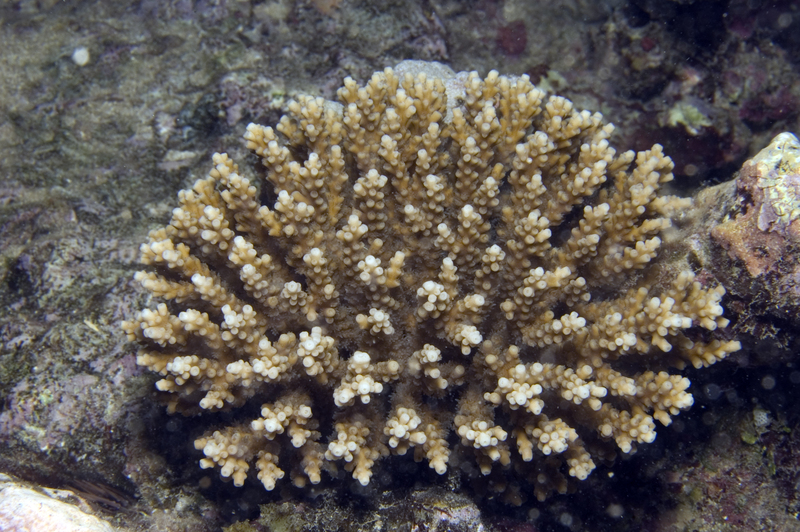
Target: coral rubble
748	233
465	272
761	236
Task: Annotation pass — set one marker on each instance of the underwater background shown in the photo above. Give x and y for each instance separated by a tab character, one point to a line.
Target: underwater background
108	109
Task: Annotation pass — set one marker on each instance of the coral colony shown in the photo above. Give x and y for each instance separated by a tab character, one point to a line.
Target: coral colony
469	281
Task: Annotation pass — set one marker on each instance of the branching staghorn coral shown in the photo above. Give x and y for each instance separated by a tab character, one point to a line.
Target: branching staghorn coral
469	280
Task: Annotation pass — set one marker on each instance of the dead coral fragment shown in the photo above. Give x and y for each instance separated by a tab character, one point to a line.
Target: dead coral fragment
406	252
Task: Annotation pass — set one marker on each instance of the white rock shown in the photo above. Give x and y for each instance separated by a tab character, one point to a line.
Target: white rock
80	56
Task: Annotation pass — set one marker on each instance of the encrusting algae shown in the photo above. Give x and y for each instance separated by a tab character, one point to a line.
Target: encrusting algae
458	278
